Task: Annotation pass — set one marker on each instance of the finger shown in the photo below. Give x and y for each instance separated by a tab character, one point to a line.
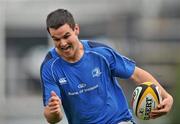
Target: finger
156	115
160	106
52	108
55	111
155	111
53	93
54	98
54	103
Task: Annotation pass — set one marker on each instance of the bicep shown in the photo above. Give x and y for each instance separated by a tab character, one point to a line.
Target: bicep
136	75
48	84
140	76
122	66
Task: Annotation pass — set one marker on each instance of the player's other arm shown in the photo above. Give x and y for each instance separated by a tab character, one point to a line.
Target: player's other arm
52	111
140	76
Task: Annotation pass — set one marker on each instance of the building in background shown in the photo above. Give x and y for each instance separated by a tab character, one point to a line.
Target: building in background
146	31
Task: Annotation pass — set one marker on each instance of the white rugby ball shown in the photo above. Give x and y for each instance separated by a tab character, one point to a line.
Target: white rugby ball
146	97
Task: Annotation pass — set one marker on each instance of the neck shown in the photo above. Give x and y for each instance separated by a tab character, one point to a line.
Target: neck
78	54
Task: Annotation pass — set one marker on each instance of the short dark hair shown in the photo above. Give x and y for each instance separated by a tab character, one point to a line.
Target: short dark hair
58	18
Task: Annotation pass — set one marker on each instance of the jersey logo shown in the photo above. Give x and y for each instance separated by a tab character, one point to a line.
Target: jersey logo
96	72
62	81
82	85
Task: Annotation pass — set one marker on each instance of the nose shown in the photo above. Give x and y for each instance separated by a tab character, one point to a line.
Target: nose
63	42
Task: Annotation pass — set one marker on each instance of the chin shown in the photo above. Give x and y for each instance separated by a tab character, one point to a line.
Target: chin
69	56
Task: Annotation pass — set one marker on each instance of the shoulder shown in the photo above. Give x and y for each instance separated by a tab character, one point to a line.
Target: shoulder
100	49
48	61
93	44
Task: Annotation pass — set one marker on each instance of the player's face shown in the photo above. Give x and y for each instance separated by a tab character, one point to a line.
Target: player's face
67	43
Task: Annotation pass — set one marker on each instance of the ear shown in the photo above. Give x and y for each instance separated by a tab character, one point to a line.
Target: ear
76	29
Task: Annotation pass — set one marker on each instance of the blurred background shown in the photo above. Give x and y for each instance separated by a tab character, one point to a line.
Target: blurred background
144	30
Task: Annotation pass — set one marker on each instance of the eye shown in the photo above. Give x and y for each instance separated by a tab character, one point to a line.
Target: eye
66	36
56	39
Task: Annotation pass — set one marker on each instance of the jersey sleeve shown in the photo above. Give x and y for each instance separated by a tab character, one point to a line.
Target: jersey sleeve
120	65
48	83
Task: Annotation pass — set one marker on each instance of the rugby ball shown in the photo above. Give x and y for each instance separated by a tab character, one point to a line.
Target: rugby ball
146	97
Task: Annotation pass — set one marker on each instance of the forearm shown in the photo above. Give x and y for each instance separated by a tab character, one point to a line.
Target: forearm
141	76
52	118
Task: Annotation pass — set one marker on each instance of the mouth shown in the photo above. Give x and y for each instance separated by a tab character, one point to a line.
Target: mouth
66	48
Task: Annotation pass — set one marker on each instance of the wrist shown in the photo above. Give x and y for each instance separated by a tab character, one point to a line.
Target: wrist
54	117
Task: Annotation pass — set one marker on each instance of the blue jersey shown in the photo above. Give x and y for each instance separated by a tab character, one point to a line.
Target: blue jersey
88	88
